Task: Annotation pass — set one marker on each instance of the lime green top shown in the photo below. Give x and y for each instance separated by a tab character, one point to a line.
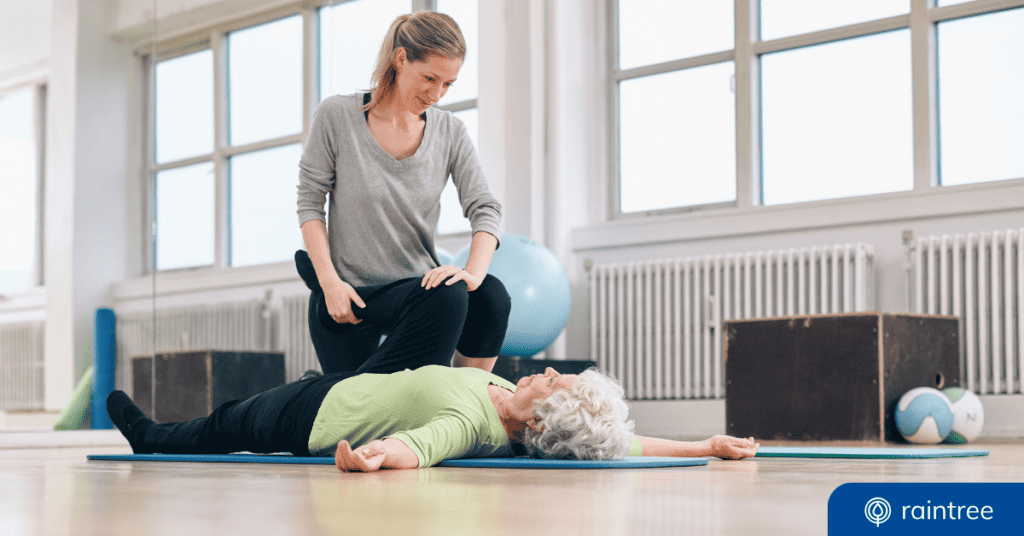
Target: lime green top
438	412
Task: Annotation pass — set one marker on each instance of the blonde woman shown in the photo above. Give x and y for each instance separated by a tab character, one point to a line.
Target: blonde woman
381	159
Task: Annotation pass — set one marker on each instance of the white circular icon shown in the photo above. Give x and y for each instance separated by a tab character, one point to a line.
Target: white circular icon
877	510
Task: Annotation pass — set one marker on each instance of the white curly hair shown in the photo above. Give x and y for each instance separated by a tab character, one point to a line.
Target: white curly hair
587	422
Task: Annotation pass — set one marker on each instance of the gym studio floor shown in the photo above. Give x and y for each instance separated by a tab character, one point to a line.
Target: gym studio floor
54	490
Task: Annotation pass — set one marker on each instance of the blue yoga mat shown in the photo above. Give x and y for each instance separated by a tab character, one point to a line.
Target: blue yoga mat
629	462
866	452
520	463
215	458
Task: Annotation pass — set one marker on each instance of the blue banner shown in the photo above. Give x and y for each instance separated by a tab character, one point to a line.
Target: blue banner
926	508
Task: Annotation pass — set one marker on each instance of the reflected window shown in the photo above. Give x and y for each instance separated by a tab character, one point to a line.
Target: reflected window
184	217
263	224
837	119
981	112
184	107
19	154
265	81
684	152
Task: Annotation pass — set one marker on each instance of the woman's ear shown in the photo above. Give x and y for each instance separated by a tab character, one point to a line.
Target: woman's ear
532	423
400	59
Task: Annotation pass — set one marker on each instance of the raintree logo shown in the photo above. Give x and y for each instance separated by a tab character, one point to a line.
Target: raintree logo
906	509
877	510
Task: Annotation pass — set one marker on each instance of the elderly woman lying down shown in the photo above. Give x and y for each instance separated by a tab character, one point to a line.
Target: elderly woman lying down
416	418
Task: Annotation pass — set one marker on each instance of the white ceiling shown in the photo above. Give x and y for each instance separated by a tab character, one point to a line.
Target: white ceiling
24	34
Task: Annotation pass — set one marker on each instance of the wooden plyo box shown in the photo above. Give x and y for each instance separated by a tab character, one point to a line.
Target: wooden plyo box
833	377
191	383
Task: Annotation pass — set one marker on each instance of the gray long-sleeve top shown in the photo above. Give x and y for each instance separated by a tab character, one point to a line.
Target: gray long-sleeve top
383	211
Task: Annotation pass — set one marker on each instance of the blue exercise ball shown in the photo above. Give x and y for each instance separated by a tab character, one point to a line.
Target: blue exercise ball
539	291
445	256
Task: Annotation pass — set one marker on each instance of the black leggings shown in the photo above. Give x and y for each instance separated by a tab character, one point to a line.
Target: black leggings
423	327
278	420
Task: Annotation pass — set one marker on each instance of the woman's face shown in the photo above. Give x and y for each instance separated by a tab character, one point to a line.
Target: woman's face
422	83
538	387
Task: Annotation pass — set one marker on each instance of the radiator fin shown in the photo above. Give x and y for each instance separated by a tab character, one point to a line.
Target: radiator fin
656	325
21	366
978	277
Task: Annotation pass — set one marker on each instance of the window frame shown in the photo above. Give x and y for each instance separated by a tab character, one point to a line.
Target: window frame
38	87
921	20
215	38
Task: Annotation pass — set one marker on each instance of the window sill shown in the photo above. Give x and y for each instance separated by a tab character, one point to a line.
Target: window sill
28	306
961	200
204	280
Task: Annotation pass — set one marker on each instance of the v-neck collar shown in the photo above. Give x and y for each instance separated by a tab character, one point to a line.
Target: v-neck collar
379	151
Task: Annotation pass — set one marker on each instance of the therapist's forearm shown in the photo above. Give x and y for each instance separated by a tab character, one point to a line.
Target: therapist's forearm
481	251
314	234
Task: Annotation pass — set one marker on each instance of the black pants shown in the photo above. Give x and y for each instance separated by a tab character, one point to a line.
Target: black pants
278	420
422	326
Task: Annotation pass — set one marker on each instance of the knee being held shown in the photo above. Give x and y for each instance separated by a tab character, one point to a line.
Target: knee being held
497	297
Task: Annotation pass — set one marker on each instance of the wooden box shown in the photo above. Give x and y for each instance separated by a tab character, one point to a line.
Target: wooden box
191	383
833	377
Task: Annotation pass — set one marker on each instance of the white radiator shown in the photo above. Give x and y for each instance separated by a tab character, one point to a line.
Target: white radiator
979	278
229	326
656	325
21	366
297	346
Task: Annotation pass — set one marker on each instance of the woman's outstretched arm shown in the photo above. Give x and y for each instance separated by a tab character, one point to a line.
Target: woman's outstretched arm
720	446
378	454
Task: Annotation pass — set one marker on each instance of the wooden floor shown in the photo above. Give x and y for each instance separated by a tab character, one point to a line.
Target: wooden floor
57	491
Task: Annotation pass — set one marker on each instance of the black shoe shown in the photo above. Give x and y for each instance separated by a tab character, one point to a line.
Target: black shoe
306	270
311	374
129	419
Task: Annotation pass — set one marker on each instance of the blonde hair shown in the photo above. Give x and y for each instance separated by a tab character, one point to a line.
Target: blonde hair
420	34
586	422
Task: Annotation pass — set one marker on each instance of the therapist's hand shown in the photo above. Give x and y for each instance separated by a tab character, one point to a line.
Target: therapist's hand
449	275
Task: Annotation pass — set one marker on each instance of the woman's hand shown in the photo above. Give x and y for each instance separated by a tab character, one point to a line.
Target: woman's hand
367	458
449	275
339	297
731	448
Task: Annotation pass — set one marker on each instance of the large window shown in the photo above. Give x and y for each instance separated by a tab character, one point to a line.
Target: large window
981	112
229	121
836	119
826	99
20	201
676	127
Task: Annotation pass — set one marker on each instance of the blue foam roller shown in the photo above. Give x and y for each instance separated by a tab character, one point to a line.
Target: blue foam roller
104	356
865	452
629	462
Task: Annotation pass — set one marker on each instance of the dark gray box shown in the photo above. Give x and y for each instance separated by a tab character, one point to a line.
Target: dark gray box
833	377
191	383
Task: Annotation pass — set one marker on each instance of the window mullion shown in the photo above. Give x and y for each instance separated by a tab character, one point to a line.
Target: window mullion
310	67
222	245
923	84
748	106
614	142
